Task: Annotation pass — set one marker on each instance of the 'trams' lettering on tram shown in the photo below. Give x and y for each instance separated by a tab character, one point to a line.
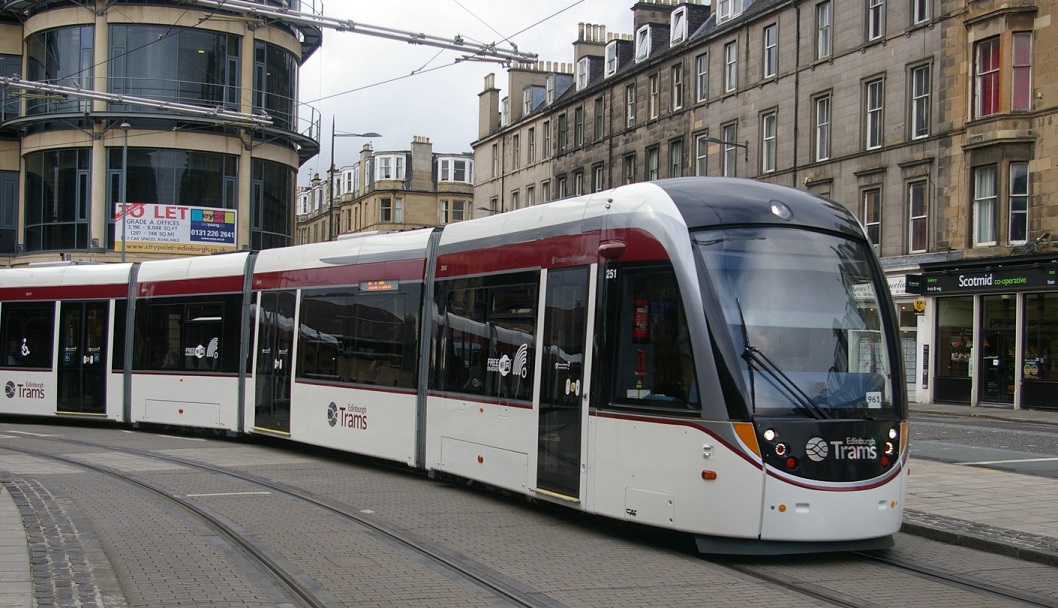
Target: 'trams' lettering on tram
353	417
855	448
28	390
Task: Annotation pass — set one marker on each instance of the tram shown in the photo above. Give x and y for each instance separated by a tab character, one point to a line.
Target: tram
716	356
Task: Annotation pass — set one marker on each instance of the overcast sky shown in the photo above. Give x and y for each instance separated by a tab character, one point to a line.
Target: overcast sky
346	78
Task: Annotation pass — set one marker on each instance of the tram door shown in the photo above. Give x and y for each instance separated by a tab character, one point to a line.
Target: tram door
562	381
275	342
82	358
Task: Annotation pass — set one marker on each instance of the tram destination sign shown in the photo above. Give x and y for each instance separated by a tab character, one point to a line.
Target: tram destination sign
993	280
180	229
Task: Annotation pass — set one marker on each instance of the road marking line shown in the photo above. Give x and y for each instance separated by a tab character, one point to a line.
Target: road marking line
1009	461
184	438
32	434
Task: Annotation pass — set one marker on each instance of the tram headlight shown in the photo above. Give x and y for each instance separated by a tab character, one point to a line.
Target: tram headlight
893	433
889	448
770	434
781	449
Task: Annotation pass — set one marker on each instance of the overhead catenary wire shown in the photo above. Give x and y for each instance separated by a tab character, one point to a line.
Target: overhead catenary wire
457	42
217	112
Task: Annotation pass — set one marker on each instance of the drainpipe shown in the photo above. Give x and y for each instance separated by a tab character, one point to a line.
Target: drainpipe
797	88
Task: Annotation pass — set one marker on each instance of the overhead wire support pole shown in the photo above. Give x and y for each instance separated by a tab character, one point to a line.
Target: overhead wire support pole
457	43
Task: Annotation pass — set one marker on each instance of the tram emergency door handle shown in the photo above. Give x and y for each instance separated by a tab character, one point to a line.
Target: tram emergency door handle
277	364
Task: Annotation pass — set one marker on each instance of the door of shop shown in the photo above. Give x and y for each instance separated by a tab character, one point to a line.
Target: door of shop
997	353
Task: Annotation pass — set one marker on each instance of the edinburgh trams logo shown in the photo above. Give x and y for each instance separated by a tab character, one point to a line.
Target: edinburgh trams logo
851	448
817	449
504	365
347	417
29	390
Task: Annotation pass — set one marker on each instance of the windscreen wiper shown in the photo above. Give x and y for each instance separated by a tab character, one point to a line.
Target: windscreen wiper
753	355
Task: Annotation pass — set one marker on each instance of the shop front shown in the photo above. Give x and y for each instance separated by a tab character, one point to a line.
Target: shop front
909	310
995	331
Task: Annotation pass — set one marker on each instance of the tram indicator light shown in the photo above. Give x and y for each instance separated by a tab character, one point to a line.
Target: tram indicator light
386	285
708	475
791	463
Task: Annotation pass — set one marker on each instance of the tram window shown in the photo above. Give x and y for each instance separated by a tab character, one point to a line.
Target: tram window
121	311
27	330
193	334
366	338
488	326
653	366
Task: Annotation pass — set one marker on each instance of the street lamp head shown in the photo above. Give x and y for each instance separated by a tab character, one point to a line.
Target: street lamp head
368	134
125	126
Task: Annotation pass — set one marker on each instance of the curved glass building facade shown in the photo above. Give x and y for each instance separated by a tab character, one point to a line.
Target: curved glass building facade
69	162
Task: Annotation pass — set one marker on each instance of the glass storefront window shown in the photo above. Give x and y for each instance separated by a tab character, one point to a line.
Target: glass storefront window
271	205
1041	336
275	83
955	327
908	339
954	353
57	199
60	56
186	66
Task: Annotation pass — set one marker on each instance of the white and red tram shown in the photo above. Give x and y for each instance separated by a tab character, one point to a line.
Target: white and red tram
710	355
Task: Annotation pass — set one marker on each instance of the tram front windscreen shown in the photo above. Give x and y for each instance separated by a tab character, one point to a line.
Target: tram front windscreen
804	321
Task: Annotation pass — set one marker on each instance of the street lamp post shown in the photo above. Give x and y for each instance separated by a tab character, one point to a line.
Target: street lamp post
717	140
124	184
330	176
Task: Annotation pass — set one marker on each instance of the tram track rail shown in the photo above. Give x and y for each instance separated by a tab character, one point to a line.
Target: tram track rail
978	585
798	586
986	590
503	588
288	583
513	591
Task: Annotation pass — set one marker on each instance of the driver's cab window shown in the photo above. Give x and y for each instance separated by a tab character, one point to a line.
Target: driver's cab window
654	366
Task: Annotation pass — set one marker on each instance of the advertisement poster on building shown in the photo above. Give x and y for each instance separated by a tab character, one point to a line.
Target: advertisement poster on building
177	229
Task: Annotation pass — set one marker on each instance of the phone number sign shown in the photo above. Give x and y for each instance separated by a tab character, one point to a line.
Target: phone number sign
180	229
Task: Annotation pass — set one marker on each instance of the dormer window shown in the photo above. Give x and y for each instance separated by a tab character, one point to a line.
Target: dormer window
550	89
729	9
678	26
642	43
582	73
455	170
611	59
389	167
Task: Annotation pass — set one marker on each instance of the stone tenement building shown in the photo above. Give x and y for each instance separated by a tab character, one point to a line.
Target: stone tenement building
931	120
388	190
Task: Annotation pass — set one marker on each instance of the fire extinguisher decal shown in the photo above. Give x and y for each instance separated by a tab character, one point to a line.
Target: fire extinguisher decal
641	320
